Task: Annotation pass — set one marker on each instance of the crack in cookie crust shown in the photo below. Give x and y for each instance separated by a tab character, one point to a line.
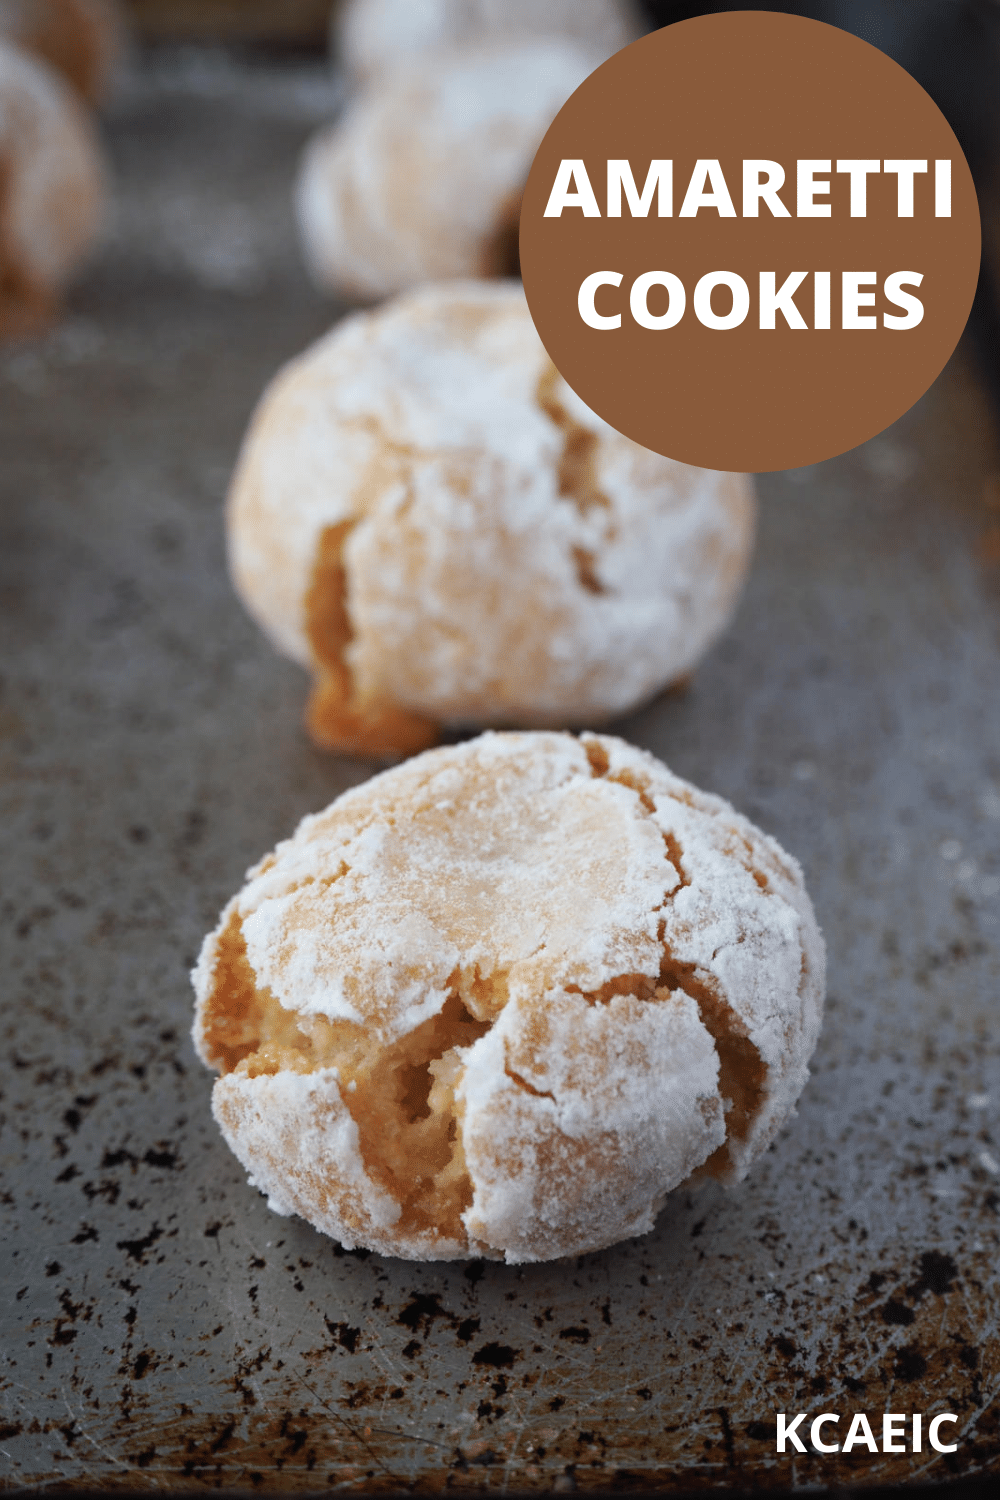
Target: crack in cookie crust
400	1097
337	718
742	1070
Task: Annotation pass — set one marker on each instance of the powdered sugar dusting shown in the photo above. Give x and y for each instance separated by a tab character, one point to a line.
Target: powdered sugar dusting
621	1104
633	975
295	1135
414	181
483	581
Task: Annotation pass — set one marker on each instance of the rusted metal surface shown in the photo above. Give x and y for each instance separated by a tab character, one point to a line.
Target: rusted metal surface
161	1327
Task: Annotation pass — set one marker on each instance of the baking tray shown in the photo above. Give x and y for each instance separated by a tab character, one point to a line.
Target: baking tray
162	1329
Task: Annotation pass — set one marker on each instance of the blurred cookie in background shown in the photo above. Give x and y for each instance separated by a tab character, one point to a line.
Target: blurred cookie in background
368	36
427	518
82	39
52	190
421	179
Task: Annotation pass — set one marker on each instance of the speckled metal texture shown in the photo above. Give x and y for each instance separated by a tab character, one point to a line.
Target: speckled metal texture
161	1329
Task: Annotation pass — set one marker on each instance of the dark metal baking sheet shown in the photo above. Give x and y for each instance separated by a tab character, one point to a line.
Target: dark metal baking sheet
161	1329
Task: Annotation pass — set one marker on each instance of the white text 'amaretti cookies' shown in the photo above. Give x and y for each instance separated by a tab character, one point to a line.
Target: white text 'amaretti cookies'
500	1000
52	189
426	516
422	178
369	36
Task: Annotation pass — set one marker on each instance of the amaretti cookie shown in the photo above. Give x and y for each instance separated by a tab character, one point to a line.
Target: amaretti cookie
81	39
429	519
502	999
52	189
369	36
422	177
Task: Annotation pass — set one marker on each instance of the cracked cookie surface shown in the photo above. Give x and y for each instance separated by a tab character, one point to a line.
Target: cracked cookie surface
428	517
499	1001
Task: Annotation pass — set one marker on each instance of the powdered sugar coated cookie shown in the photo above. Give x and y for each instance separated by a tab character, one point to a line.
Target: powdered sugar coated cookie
52	189
422	178
502	999
426	516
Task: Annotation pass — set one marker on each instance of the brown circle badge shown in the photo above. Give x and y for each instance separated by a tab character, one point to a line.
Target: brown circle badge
750	241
